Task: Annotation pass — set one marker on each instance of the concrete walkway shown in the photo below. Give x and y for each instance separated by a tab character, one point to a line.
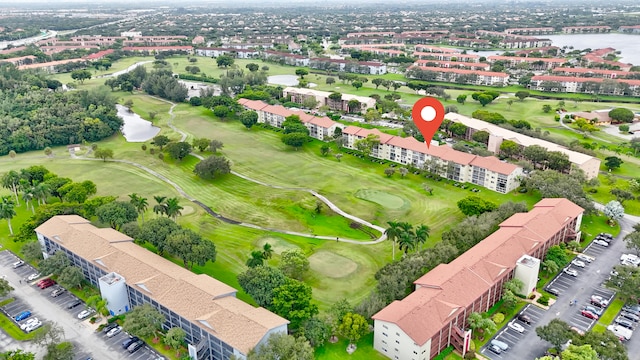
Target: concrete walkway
184	194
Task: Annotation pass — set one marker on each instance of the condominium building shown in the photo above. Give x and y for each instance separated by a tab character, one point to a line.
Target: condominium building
298	95
589	164
589	85
321	128
477	77
435	315
488	172
217	324
233	52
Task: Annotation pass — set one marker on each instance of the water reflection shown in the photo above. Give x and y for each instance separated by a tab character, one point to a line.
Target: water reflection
135	128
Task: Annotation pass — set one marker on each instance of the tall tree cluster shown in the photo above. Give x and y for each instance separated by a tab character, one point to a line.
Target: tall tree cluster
32	117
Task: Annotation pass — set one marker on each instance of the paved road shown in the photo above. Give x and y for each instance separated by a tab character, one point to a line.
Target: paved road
588	282
75	330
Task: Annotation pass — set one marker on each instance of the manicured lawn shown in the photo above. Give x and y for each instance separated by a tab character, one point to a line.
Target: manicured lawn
594	225
611	312
338	351
11	329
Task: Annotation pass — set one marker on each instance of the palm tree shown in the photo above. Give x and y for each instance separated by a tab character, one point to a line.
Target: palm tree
7	210
140	203
392	232
267	251
161	206
41	192
256	259
173	208
406	242
98	303
422	233
11	181
28	196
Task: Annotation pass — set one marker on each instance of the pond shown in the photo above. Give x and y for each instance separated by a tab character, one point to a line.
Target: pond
135	128
286	80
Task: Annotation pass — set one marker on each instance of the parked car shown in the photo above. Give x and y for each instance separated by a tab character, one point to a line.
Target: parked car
517	327
601	243
630	316
129	341
589	314
599	301
58	291
33	326
43	284
524	318
135	346
502	345
620	331
33	276
571	272
23	315
606	235
17	264
594	310
623	322
73	304
553	291
85	313
28	322
578	263
585	258
115	331
109	326
578	331
634	309
496	350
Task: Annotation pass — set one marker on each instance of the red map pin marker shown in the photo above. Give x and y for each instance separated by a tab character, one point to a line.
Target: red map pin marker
428	114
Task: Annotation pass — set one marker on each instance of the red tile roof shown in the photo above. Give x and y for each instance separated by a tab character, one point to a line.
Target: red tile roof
494	164
252	104
99	54
449	288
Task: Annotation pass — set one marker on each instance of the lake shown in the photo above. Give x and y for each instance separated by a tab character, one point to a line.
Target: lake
628	45
135	128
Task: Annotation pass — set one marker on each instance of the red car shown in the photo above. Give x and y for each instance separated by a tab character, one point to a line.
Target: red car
43	280
46	284
589	314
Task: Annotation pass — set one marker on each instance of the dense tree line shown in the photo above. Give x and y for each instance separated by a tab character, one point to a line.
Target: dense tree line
32	117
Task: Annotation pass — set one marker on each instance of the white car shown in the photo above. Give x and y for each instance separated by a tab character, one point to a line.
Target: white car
28	322
601	243
33	276
115	331
585	258
33	326
517	327
85	313
571	272
578	263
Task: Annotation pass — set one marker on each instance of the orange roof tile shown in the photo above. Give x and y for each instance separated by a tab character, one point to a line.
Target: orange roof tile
449	288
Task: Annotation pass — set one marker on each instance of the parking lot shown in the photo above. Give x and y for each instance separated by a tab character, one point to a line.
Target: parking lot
582	322
90	341
511	337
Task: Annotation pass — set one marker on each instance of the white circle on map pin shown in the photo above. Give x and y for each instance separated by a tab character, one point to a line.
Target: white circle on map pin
428	113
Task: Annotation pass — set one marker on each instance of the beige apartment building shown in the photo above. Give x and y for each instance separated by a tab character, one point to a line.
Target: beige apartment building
589	164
